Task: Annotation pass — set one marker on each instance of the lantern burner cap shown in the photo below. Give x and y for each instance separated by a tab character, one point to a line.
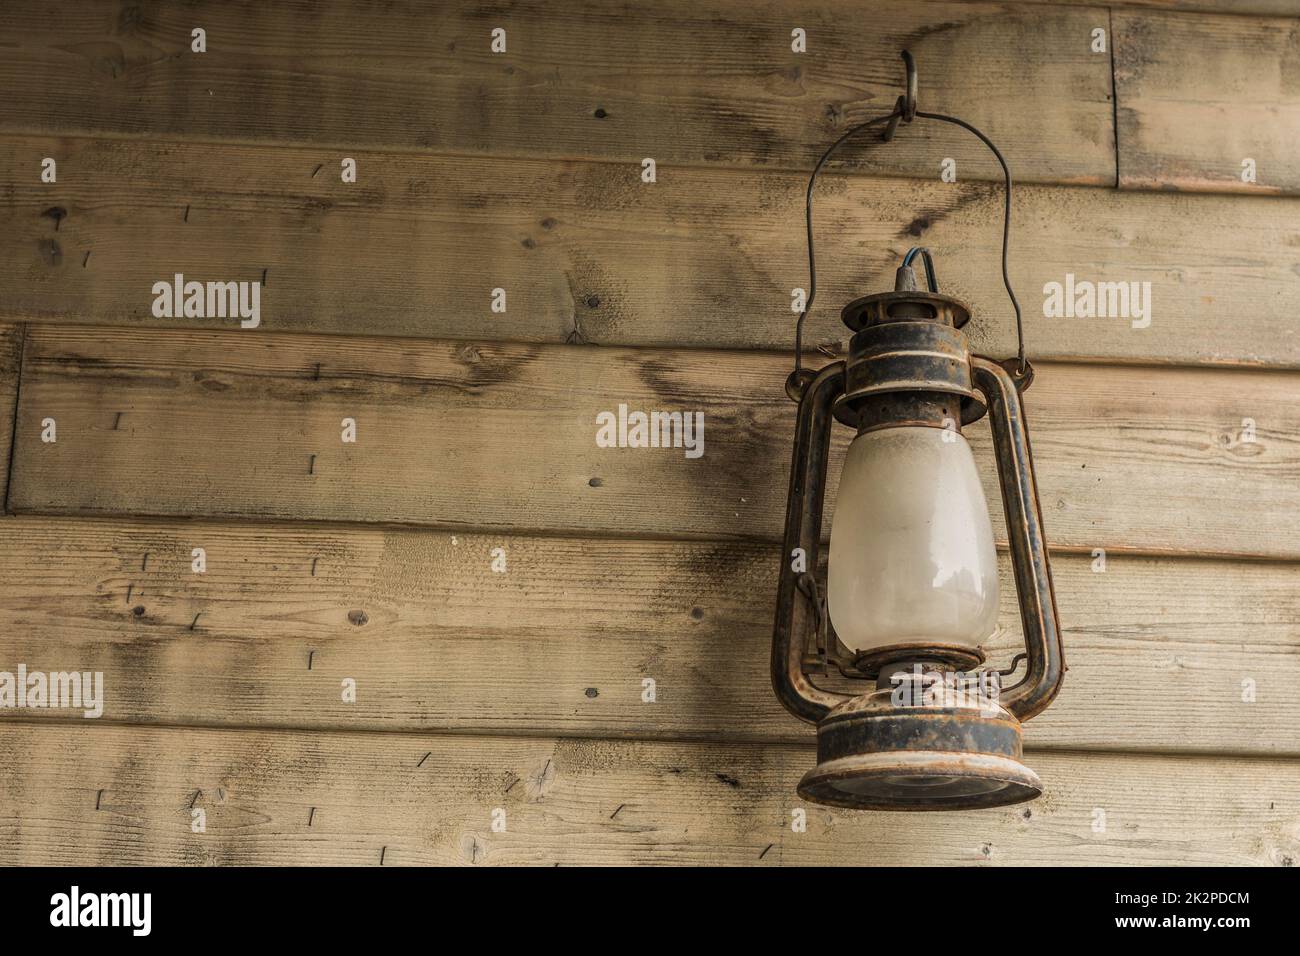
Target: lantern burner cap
875	753
920	780
907	305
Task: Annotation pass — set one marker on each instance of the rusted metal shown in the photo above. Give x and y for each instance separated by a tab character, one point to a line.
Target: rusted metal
911	83
905	303
954	657
909	362
891	126
797	383
876	753
1029	557
795	614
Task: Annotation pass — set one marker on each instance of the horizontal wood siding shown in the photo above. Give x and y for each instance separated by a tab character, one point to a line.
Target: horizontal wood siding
686	83
1275	8
503	436
585	253
1200	95
1161	650
363	799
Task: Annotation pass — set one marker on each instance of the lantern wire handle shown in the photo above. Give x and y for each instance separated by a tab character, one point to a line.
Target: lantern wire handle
808	219
1006	223
905	111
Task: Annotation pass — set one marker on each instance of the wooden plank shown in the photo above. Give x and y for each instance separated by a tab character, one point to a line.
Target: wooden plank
560	643
1277	8
1192	129
500	436
276	798
682	82
706	258
11	345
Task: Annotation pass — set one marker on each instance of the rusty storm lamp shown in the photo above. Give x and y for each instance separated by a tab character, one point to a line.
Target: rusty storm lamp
912	587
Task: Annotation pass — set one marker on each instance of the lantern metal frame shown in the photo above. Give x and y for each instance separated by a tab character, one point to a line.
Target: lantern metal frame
909	363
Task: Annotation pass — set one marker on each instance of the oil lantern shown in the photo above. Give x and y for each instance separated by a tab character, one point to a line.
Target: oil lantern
911	583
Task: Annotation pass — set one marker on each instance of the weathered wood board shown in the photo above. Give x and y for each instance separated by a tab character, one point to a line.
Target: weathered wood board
1198	96
503	436
1160	649
584	252
685	83
1277	8
276	798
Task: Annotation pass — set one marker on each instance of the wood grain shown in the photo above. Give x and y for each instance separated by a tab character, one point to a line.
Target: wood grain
686	83
560	643
1191	129
496	436
274	798
1278	8
706	257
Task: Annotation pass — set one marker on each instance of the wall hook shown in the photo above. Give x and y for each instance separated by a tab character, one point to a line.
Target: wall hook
905	108
909	99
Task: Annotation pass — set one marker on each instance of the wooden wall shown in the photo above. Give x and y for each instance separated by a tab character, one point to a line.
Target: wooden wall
372	561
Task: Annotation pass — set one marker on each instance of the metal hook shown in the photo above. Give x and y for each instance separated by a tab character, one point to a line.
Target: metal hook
894	117
908	102
905	108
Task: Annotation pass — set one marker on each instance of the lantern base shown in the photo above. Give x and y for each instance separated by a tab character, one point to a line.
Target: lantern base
874	753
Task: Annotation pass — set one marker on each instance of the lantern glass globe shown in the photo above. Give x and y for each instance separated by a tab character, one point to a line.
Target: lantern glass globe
911	557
